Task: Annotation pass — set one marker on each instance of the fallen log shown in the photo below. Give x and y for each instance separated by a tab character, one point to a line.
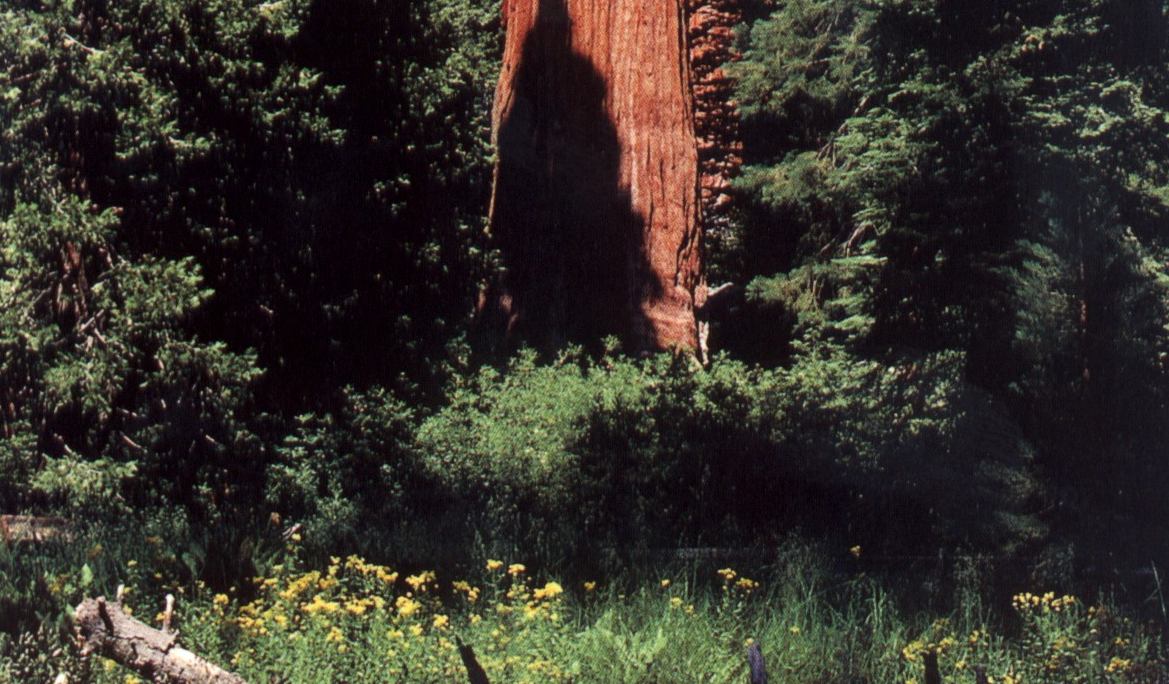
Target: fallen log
33	528
102	627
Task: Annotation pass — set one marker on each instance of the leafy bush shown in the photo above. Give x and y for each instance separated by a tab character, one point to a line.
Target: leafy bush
337	474
583	456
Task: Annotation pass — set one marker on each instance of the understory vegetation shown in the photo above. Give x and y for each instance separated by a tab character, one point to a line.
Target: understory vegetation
355	621
240	248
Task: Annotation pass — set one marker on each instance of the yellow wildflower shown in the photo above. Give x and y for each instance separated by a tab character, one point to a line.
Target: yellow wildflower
466	588
1118	664
549	590
590	586
516	569
665	584
494	565
747	585
441	621
418	582
728	575
320	605
407	606
357	608
855	551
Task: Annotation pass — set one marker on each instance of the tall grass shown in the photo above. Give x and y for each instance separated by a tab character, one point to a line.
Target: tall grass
354	621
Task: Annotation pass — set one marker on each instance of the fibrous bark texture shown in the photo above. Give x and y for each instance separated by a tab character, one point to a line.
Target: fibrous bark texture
597	208
716	116
103	627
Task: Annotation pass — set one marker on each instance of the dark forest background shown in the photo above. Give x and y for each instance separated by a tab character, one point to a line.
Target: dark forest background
240	245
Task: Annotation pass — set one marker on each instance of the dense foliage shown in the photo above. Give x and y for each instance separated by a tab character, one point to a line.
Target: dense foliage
209	216
979	180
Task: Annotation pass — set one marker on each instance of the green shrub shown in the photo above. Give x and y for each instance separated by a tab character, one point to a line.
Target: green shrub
579	457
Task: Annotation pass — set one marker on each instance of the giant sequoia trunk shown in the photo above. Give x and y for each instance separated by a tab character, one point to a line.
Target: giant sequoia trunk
599	197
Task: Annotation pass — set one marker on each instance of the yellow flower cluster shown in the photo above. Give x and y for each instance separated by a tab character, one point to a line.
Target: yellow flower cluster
320	605
1118	665
938	638
420	581
407	606
731	578
1047	603
746	585
549	590
914	650
472	593
381	572
350	600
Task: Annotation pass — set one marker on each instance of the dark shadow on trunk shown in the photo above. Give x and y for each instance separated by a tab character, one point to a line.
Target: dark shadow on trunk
568	240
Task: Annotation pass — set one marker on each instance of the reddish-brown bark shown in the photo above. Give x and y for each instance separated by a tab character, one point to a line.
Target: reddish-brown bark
716	117
597	209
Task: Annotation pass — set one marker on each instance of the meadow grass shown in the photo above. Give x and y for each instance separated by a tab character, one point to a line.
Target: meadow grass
350	620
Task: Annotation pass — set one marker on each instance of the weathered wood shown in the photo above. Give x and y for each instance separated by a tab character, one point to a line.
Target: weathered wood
33	528
475	672
755	664
102	627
